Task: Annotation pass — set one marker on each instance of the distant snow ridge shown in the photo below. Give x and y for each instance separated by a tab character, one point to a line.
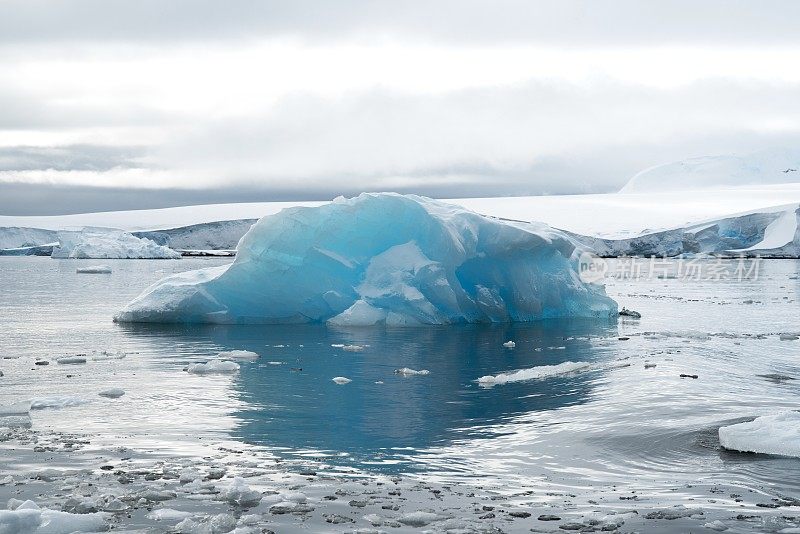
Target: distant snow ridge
774	166
382	258
108	243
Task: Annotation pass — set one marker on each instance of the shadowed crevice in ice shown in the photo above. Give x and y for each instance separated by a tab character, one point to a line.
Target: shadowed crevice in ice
382	259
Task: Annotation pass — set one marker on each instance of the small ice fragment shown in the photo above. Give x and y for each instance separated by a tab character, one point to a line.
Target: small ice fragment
168	514
337	345
112	393
94	269
275	363
405	371
353	348
509	344
341	380
240	494
105	355
418	519
71	360
238	355
56	402
717	525
213	367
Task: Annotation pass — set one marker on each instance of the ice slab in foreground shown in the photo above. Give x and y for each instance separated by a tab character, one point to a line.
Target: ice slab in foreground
771	434
382	258
107	243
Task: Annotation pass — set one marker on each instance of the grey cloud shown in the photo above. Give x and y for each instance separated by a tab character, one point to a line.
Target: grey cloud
71	157
562	22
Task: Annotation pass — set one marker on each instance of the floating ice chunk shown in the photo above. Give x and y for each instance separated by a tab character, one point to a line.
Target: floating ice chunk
216	524
509	344
534	373
94	269
57	402
238	355
105	355
71	360
27	517
418	519
213	367
625	312
240	494
353	348
108	243
112	393
16	409
777	434
168	514
405	371
341	380
408	260
547	371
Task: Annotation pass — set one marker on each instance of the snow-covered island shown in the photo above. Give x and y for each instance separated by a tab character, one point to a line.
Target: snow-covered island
108	243
382	258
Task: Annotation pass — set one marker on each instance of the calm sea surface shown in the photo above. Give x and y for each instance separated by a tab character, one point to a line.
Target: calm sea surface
628	428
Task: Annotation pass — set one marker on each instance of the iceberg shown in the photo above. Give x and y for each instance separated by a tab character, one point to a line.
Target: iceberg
777	434
108	243
382	258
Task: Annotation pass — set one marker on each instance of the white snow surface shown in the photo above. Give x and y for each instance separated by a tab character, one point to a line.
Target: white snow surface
108	243
777	434
608	215
409	261
772	166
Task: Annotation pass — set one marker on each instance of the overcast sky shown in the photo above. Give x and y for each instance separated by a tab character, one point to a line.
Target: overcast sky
108	104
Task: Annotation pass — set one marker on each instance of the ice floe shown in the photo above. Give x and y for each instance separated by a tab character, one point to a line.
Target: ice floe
213	367
57	403
547	371
27	518
112	393
94	269
405	371
777	434
238	355
341	380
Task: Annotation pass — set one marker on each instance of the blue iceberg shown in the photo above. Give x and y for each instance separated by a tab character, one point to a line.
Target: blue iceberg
382	258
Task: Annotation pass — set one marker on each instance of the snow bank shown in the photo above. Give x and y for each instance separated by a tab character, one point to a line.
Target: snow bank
771	434
381	259
108	243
